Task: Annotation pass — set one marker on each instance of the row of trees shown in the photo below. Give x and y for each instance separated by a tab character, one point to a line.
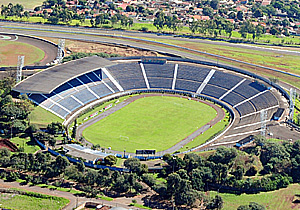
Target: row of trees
223	170
186	178
13	10
171	22
13	112
213	27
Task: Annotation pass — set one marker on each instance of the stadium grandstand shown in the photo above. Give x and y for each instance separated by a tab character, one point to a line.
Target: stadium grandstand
65	88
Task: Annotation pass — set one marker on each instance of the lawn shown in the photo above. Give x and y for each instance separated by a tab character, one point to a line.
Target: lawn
207	135
288	63
274	200
41	117
24	202
150	123
28	4
9	52
29	146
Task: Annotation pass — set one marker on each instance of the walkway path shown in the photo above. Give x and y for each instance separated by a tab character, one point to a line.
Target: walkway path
74	200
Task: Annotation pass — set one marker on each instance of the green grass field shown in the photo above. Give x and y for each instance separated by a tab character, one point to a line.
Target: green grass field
201	139
41	117
29	146
9	52
150	123
24	202
275	200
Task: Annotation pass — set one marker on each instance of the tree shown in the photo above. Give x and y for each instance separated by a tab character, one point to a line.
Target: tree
214	4
113	20
92	21
110	160
81	18
192	161
274	31
197	181
4	152
258	13
129	8
251	206
135	166
193	26
53	20
58	166
208	11
238	173
73	136
172	22
55	128
159	21
99	19
216	203
240	15
259	30
26	14
298	119
229	28
121	185
223	155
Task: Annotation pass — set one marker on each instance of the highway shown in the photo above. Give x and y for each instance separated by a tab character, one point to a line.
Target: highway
120	38
285	50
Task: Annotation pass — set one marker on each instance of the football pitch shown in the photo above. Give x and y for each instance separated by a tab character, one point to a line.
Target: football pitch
157	122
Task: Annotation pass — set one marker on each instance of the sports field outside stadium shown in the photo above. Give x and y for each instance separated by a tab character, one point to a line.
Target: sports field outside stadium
157	122
9	52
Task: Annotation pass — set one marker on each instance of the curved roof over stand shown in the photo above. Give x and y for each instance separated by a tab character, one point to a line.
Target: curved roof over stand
48	80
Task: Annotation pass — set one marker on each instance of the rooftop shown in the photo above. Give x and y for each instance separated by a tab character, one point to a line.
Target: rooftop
48	80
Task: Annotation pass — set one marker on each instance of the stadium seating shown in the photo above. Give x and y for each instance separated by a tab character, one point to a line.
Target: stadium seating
155	82
213	91
233	98
264	101
248	89
88	87
164	71
187	85
193	73
245	108
129	76
224	80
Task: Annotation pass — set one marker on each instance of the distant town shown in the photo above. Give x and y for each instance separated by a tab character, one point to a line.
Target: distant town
209	18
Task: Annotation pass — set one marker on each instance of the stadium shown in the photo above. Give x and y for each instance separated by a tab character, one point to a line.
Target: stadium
69	89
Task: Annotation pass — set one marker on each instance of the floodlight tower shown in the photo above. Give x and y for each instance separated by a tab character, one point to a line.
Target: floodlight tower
61	48
20	67
292	103
263	122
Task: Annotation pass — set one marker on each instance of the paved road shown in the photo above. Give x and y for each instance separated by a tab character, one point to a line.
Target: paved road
104	37
179	145
282	50
74	200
